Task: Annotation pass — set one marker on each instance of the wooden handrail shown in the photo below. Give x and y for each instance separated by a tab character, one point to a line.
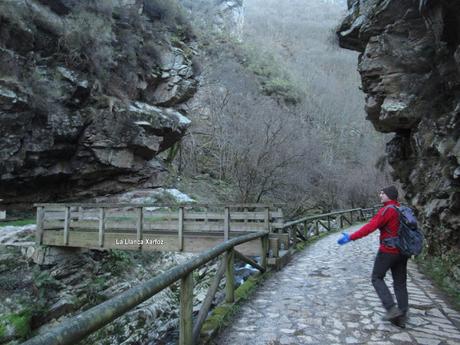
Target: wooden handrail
111	205
320	216
72	330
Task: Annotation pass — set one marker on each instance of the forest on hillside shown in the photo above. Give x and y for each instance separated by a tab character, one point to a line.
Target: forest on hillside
281	114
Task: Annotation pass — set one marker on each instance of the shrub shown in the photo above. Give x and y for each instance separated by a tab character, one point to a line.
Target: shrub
117	262
170	12
45	283
281	87
116	53
93	295
273	79
87	43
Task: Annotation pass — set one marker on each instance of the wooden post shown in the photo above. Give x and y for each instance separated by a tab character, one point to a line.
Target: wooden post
293	235
361	214
267	219
328	223
101	226
249	261
40	223
186	308
305	230
207	302
317	227
351	217
274	246
139	226
300	234
66	225
230	277
341	221
263	251
226	224
181	229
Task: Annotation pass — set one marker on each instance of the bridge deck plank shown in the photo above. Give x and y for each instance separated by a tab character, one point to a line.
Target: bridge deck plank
153	241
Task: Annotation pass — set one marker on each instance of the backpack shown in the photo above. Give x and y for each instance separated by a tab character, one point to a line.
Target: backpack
410	238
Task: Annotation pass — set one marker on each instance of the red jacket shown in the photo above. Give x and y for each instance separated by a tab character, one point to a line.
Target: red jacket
387	220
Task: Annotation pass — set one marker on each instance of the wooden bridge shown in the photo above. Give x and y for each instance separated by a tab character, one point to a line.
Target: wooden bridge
187	228
233	230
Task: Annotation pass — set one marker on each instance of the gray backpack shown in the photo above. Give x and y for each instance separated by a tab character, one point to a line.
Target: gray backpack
410	238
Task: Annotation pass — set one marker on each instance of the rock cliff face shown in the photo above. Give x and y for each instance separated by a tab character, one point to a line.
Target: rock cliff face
410	70
87	91
230	18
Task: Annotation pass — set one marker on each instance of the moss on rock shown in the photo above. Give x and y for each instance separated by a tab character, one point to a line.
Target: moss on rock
247	288
15	326
221	315
443	271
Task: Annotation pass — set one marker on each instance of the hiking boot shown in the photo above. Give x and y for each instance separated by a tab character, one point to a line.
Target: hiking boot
392	313
399	321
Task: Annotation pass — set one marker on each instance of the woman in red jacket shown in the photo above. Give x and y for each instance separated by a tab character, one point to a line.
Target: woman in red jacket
387	220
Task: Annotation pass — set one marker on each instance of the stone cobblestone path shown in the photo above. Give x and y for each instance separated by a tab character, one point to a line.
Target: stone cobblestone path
324	296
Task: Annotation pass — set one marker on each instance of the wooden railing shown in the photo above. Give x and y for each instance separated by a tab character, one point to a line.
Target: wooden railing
78	327
190	228
303	228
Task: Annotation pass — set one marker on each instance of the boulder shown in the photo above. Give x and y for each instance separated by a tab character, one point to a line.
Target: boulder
177	82
50	255
64	306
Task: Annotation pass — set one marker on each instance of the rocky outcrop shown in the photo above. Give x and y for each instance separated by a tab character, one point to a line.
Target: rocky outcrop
70	281
410	70
230	18
87	92
225	17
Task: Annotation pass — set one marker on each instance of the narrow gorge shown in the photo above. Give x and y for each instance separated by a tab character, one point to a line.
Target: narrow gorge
215	102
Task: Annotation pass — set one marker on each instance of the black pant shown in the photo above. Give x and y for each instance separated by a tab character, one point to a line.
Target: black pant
398	265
